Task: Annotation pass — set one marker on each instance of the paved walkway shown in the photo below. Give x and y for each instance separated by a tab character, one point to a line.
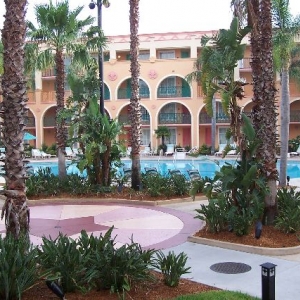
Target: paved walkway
166	227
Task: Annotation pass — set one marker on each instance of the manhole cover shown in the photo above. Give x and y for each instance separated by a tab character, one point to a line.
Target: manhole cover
230	268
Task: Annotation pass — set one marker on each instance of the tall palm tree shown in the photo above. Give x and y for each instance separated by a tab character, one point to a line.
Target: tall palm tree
135	107
13	113
284	31
58	30
264	113
215	71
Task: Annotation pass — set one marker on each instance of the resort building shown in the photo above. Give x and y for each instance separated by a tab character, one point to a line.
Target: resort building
167	99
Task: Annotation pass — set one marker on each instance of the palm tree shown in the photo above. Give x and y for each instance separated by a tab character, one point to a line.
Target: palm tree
162	132
284	31
215	71
13	113
264	113
58	29
135	108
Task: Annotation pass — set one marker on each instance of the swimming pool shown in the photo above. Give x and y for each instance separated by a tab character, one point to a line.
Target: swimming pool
206	167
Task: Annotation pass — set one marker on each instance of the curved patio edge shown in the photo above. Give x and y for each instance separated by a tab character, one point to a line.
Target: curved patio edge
245	248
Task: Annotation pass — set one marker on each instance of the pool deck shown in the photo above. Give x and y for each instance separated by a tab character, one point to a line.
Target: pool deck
164	227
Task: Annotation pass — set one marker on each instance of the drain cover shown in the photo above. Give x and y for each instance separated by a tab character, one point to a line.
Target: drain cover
230	268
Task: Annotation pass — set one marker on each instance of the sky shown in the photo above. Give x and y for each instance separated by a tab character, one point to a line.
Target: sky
156	16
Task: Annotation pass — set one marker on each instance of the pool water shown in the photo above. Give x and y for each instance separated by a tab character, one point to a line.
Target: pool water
207	167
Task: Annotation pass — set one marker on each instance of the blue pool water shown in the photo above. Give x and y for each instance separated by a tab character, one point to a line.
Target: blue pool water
206	167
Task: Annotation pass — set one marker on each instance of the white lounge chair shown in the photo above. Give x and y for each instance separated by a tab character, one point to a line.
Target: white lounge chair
221	150
295	153
45	155
146	151
36	153
170	149
232	152
69	153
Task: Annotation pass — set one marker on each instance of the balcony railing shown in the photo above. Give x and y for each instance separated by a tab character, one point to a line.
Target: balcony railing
295	116
174	118
30	122
49	121
125	119
126	93
204	118
49	73
50	97
245	63
173	92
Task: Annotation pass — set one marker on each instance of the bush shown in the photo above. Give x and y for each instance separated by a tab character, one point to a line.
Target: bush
172	267
62	259
288	218
18	268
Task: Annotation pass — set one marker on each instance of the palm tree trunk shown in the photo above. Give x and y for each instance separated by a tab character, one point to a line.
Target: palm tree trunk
61	131
285	121
135	113
213	125
264	110
13	113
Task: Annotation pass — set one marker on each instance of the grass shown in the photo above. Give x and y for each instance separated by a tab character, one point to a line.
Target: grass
218	295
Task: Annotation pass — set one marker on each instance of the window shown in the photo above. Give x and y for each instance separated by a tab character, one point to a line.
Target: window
145	138
167	54
167	87
172	138
222	136
185	54
144	90
144	55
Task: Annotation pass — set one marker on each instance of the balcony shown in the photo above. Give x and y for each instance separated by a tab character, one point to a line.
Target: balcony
30	122
125	93
245	63
49	73
125	119
49	121
295	116
173	92
174	118
50	97
204	118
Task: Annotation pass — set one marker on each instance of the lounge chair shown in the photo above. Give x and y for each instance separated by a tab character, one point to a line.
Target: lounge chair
36	153
146	151
295	153
194	175
232	152
151	171
221	150
170	149
178	173
69	153
45	155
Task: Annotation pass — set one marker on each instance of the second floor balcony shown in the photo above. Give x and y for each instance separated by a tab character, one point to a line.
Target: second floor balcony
125	93
125	119
174	118
178	91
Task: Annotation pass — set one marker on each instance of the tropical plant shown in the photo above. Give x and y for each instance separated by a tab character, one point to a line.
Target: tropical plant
288	217
257	15
286	59
135	107
59	29
162	132
61	258
215	71
172	267
18	268
13	113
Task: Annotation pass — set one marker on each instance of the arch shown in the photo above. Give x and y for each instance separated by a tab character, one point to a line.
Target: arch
124	89
173	88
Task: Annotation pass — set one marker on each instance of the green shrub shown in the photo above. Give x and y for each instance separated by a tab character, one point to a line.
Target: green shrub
214	214
18	268
61	258
288	218
172	267
116	268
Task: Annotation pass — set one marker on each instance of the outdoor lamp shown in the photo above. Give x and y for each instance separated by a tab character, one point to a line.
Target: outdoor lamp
56	289
92	5
268	281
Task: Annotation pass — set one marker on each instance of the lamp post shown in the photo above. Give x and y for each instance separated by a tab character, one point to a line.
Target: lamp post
92	5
